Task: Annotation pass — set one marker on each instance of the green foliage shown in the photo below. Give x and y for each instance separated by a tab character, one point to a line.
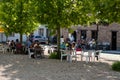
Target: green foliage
59	14
18	16
116	66
54	55
105	10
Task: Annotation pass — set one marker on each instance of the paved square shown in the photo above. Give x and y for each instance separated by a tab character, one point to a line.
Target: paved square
20	67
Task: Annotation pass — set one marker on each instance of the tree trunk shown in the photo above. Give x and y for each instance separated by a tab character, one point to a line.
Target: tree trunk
58	41
21	38
6	38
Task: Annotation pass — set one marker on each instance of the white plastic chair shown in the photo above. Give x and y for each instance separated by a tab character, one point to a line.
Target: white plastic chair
70	54
30	53
79	53
88	54
97	54
73	55
2	49
65	53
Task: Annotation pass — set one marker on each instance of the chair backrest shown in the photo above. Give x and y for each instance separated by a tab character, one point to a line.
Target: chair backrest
97	52
62	51
1	48
19	46
78	49
29	51
88	52
91	52
38	50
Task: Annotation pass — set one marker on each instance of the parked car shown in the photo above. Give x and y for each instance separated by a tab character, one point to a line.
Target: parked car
40	39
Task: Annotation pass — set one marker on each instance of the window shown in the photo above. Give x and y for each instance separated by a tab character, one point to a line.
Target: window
47	31
12	35
38	37
94	34
41	31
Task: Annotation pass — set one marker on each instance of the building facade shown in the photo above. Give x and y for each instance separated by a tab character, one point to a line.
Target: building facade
42	30
103	34
109	34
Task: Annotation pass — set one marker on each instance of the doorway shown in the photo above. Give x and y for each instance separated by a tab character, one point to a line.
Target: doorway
114	40
75	36
83	34
94	34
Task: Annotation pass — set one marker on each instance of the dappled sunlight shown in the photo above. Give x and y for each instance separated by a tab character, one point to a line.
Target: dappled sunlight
20	67
14	72
6	72
109	77
18	62
3	68
38	62
88	70
9	65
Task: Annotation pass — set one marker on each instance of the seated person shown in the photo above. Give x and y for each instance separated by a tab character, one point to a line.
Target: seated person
78	48
32	50
32	46
73	46
63	46
19	47
12	46
38	49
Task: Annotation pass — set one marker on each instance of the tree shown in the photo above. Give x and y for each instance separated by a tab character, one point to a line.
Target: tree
59	14
111	10
104	12
18	16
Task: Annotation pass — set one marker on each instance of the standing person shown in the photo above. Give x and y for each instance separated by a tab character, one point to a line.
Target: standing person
31	36
90	44
28	43
94	44
61	39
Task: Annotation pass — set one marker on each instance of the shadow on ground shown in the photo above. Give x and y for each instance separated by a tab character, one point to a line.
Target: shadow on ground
20	67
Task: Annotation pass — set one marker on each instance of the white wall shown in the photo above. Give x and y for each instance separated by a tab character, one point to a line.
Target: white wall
17	36
45	30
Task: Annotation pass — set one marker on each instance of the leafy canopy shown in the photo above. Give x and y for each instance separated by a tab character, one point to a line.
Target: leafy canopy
18	16
105	11
60	13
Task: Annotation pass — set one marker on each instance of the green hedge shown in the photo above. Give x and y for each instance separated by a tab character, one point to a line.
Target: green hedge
54	55
116	66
